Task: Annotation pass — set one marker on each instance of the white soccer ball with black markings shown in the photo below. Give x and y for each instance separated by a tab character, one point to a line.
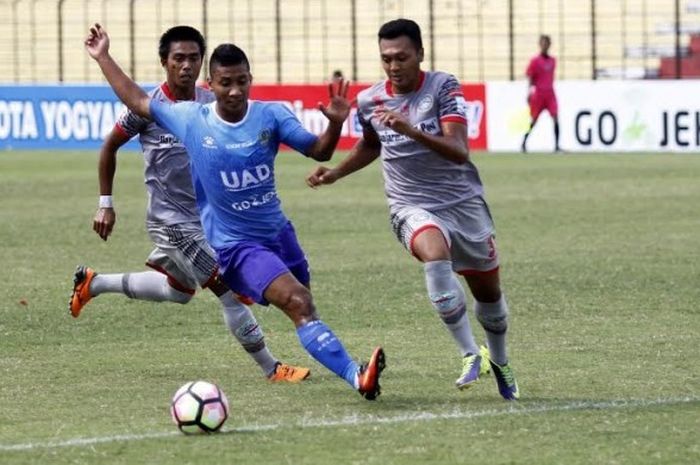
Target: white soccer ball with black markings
199	407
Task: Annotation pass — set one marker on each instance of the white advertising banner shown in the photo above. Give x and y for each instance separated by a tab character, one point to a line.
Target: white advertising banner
599	116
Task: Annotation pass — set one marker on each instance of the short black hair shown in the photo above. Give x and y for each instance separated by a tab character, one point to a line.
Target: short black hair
546	37
402	27
180	34
227	55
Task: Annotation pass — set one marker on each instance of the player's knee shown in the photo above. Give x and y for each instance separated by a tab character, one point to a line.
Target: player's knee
485	287
487	294
298	302
430	245
217	286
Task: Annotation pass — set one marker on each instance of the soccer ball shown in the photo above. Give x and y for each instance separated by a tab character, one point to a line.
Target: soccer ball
199	407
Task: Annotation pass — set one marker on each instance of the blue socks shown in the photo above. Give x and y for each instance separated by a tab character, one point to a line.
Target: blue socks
320	342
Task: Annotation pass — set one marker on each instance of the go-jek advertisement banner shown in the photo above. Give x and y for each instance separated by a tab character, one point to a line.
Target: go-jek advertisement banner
599	116
79	117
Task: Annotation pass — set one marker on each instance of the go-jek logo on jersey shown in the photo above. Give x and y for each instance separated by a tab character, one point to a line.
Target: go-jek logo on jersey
235	181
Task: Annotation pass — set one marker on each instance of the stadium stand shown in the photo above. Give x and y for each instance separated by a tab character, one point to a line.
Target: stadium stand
313	37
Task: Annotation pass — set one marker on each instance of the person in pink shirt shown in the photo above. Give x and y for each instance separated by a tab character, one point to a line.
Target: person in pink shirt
541	96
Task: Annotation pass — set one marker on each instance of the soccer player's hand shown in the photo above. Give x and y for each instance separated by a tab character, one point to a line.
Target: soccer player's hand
394	120
319	176
338	107
104	222
97	42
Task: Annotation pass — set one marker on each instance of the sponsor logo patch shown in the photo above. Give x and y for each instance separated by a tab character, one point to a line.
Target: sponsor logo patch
246	178
425	104
208	142
264	136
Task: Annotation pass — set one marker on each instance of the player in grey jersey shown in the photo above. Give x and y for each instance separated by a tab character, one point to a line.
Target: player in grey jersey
182	259
416	121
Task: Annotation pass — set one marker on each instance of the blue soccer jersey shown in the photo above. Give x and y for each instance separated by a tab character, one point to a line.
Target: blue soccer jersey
232	165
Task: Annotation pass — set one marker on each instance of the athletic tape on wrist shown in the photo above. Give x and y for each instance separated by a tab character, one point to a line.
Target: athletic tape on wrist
105	201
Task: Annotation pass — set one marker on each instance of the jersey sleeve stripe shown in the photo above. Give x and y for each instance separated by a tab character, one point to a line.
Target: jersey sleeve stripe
121	130
453	119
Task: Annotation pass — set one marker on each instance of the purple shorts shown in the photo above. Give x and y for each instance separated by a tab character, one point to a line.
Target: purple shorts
249	267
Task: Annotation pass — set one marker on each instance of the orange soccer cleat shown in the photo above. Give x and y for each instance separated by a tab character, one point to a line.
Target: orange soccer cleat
81	289
368	378
289	374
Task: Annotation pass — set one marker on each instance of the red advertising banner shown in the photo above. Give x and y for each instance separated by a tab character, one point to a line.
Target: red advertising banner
304	100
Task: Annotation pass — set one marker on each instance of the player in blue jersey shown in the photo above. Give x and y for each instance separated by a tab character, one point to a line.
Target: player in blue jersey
181	260
232	144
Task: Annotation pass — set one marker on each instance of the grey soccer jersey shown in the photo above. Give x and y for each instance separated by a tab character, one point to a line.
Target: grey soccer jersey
167	172
414	175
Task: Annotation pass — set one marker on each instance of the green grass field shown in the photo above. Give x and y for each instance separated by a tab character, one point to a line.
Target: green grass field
600	262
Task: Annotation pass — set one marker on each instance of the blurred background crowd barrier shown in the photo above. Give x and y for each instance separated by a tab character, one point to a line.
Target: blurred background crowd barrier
303	41
619	64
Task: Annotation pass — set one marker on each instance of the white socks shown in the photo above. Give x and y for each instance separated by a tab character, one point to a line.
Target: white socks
153	286
245	328
448	298
146	285
494	319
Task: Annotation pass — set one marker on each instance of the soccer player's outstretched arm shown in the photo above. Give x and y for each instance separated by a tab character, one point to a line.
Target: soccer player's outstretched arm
106	217
365	151
97	46
337	112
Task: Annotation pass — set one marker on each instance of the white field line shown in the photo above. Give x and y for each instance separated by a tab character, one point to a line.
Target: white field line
355	420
